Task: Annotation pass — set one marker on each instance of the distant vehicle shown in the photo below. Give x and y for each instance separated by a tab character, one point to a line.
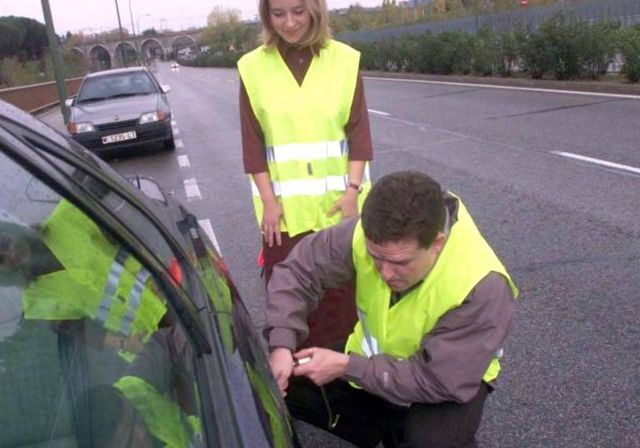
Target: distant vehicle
120	109
175	66
119	324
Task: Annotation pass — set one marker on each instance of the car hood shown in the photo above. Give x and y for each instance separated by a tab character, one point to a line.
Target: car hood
117	109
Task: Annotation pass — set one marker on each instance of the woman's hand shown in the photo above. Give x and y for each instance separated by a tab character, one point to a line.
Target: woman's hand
347	204
270	226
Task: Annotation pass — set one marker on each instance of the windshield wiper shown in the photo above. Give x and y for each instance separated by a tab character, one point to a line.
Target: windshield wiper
122	95
92	99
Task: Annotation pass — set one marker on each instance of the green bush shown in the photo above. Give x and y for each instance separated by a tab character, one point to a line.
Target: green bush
535	51
485	53
507	53
629	47
598	48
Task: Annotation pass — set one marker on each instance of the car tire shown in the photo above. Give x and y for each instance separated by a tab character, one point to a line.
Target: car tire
170	143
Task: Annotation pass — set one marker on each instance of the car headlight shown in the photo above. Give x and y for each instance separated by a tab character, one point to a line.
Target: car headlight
152	117
80	128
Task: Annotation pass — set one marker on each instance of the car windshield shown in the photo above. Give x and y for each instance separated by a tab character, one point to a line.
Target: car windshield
116	85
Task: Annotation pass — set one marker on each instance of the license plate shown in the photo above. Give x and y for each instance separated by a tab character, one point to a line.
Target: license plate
119	137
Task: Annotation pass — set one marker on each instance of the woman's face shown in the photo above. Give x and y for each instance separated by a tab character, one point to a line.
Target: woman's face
290	19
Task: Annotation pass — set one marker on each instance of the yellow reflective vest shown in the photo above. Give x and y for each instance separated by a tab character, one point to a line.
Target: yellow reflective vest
464	261
100	280
303	127
164	418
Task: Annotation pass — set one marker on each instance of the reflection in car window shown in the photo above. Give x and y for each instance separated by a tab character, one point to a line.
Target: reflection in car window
90	354
115	85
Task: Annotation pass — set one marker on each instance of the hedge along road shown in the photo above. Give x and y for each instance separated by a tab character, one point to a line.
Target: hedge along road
551	179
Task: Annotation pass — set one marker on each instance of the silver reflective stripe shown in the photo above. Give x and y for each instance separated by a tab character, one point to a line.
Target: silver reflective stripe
310	187
307	151
134	300
500	353
369	343
111	285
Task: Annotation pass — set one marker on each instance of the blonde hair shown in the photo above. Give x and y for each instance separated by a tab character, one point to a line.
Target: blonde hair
319	31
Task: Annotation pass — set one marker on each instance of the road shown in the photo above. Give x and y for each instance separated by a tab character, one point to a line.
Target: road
553	181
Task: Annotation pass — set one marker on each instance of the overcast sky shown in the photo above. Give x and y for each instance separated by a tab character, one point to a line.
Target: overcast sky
92	16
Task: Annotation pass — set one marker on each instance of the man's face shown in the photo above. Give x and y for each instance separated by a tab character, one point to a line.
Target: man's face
404	263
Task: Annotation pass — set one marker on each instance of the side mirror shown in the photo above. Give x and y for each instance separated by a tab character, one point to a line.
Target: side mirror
69	101
165	88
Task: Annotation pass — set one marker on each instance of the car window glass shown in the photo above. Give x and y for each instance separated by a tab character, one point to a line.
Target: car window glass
90	353
113	85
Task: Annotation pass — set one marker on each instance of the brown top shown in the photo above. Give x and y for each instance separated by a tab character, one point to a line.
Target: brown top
298	60
453	356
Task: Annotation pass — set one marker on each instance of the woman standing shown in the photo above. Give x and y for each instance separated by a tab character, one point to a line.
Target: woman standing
306	139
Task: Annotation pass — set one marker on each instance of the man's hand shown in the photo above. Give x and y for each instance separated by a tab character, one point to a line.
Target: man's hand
281	363
324	365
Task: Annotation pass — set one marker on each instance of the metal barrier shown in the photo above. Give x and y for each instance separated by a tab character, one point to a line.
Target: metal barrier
36	97
625	12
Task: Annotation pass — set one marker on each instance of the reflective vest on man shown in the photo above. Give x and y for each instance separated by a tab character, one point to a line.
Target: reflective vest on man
100	280
464	261
303	127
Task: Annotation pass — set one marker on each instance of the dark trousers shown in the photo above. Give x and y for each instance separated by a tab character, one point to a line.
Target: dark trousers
335	317
366	420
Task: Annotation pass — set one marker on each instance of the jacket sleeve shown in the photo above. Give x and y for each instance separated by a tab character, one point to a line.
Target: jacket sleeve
319	261
452	357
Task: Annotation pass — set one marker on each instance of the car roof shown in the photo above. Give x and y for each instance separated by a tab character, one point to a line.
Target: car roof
116	71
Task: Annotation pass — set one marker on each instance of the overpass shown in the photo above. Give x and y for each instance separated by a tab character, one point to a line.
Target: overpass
105	54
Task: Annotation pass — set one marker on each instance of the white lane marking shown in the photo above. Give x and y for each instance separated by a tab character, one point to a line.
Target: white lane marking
176	131
492	86
617	166
183	161
206	226
179	143
174	123
230	81
373	111
192	190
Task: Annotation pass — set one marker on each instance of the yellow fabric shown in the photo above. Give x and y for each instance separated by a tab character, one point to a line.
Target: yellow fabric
312	114
465	259
77	291
164	418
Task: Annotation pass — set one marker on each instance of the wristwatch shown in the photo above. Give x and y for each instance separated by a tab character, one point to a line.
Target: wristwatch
356	187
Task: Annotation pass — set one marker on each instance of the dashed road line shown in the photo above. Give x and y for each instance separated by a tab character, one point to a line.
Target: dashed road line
192	190
208	229
605	163
183	161
179	143
379	112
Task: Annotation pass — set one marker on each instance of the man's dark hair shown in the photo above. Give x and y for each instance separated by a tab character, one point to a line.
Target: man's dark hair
404	205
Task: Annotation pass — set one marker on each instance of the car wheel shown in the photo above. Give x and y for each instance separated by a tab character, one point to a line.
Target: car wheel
170	143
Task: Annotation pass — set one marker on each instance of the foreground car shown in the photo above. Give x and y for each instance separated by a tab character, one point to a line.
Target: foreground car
119	324
120	109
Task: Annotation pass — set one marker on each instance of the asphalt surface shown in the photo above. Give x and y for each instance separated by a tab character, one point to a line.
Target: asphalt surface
566	228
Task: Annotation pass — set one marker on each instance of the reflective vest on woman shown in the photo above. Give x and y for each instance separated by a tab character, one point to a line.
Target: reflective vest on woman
464	261
303	127
100	280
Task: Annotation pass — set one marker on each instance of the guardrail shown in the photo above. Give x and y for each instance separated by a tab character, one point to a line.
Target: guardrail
35	97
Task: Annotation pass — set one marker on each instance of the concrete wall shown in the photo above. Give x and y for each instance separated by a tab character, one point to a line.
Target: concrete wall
35	97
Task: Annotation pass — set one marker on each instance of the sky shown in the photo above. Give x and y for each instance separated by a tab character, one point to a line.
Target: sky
94	16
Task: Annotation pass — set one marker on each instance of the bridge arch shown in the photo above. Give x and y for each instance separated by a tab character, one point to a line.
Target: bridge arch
99	58
152	48
124	54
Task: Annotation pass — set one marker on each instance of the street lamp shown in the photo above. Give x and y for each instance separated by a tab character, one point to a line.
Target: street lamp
124	61
138	25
